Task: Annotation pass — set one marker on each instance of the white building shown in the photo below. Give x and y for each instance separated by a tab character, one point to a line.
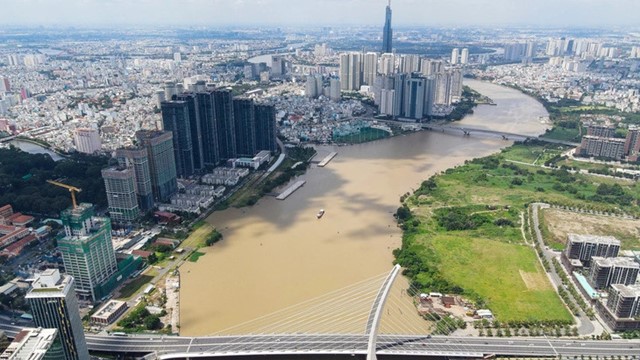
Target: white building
454	56
87	140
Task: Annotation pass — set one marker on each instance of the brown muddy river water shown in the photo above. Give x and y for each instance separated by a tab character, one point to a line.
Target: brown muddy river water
277	253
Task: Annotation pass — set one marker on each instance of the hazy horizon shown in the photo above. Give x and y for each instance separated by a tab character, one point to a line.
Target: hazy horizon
406	13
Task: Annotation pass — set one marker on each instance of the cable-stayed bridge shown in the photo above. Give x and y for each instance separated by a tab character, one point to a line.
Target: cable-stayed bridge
376	317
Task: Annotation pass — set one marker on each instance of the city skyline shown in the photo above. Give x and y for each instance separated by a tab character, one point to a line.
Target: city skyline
94	13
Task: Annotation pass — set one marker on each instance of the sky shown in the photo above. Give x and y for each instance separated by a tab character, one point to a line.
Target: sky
551	13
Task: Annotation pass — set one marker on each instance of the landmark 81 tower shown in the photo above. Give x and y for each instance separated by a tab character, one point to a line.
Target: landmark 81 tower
387	33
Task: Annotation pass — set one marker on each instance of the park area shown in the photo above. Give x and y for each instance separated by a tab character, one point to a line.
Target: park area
463	230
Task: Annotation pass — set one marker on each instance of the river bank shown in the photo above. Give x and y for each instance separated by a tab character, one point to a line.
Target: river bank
277	253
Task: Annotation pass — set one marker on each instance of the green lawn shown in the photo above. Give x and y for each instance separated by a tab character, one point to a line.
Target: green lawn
365	134
493	270
533	154
462	230
128	290
560	133
195	256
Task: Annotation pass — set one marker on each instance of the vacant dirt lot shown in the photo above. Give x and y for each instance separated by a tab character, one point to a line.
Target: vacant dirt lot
559	223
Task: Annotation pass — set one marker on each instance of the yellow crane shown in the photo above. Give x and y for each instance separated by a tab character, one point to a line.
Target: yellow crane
72	189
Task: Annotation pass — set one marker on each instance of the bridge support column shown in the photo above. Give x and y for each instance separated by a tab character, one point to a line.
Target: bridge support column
373	322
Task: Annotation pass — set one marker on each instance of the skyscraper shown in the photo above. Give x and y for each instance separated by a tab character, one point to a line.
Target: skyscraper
87	251
265	127
399	94
351	71
162	164
464	56
370	68
414	95
53	304
225	126
409	63
209	128
138	160
334	89
194	128
387	32
454	56
387	64
244	116
176	119
120	185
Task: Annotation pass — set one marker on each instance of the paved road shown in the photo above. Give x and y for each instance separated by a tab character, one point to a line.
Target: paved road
356	344
585	325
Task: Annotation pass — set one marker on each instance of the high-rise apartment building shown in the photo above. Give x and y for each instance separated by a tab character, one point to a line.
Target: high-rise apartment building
87	250
399	94
334	89
87	140
314	86
611	148
409	63
244	116
350	71
387	32
162	165
194	128
176	119
370	68
386	102
624	300
601	130
431	67
54	306
278	66
265	122
443	88
455	54
387	64
464	56
584	247
225	124
456	84
608	271
632	143
414	95
138	160
120	185
208	128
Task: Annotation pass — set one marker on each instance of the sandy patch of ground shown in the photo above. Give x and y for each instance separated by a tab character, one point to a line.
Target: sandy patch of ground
561	222
534	281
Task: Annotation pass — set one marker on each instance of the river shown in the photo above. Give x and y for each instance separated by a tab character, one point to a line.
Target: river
33	148
276	253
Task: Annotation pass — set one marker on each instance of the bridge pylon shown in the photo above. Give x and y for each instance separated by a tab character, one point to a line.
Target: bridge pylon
373	322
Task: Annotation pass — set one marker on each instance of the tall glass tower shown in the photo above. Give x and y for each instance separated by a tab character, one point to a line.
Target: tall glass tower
162	163
87	251
387	33
53	303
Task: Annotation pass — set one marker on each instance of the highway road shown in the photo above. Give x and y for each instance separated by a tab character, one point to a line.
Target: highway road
174	347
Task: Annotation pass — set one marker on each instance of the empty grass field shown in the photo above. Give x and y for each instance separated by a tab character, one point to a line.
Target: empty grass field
477	250
508	276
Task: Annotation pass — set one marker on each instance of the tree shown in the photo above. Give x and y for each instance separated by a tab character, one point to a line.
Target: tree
152	322
213	238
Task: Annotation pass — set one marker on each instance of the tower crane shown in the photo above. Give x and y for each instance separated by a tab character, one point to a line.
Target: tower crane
72	189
